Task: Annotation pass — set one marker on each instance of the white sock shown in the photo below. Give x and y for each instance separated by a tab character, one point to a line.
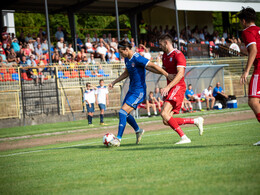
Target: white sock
184	136
148	113
155	112
199	103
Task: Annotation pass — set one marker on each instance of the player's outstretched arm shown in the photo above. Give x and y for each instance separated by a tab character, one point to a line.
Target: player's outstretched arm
176	80
123	76
252	51
156	69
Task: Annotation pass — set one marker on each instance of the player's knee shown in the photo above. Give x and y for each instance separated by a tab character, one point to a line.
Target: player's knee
165	122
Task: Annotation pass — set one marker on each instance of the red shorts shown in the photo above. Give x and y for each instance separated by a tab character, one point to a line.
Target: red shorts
254	85
175	98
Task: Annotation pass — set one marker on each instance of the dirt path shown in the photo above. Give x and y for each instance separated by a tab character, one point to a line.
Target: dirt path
81	134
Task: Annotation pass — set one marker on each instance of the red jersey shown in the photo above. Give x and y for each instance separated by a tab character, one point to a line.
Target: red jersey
251	35
173	60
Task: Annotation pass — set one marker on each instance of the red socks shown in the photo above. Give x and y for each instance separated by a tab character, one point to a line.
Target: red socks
258	117
174	125
183	121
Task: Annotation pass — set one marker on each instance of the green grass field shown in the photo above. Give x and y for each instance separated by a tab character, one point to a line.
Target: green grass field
82	124
222	161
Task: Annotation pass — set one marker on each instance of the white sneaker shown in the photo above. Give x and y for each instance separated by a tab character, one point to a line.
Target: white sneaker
184	140
199	123
139	135
257	144
115	142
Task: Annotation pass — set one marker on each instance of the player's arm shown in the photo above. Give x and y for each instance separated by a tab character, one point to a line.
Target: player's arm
178	77
123	76
252	51
156	69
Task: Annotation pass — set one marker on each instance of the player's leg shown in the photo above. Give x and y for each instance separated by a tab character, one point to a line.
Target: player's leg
154	108
207	102
212	102
167	117
102	112
254	104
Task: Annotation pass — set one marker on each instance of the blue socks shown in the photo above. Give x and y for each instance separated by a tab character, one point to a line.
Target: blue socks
122	123
123	117
131	121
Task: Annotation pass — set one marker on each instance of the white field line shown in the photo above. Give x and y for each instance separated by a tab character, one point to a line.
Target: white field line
78	128
42	150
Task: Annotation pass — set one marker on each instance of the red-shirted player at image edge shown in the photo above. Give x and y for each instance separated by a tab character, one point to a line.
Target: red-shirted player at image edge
174	63
251	38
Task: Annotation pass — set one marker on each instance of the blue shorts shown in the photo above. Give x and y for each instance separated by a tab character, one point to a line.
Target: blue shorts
102	106
92	108
134	99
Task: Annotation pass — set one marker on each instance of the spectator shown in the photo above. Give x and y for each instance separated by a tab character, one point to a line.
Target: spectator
187	106
202	36
158	96
207	95
102	99
21	38
105	38
71	48
148	105
111	56
68	56
89	99
64	49
12	57
102	51
95	39
38	52
153	101
5	38
28	38
219	94
59	34
30	43
146	53
189	94
89	46
44	46
79	43
109	38
2	64
126	38
3	55
23	64
15	45
38	41
113	44
55	53
41	34
88	37
143	31
60	44
7	49
81	55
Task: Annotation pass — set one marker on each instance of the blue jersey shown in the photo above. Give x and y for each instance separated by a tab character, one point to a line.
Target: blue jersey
189	92
216	90
136	69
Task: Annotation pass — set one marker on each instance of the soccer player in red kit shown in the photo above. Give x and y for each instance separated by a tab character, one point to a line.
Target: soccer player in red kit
174	62
251	38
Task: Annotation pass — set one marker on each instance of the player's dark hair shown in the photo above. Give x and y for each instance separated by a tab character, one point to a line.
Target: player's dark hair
101	80
166	36
87	84
248	14
189	85
124	44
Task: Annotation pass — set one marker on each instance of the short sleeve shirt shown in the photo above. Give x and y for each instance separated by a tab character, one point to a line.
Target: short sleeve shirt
216	90
89	95
101	93
189	92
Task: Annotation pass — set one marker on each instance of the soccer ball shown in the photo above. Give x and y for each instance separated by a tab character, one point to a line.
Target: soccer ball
107	138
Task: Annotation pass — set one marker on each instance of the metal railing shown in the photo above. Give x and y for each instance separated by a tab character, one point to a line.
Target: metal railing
70	80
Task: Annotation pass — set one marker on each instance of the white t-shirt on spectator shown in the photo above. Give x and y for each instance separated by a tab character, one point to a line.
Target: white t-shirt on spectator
206	92
71	50
63	50
101	94
88	45
102	50
60	45
90	96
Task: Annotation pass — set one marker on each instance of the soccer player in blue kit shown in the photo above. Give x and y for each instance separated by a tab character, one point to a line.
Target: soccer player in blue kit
136	66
